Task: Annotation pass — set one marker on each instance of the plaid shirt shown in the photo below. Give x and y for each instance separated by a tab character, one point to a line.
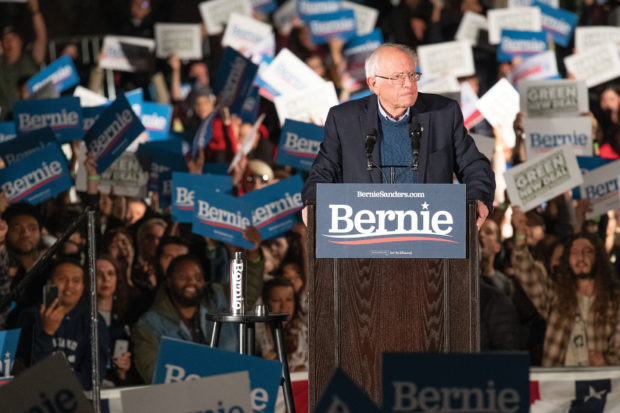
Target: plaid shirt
541	290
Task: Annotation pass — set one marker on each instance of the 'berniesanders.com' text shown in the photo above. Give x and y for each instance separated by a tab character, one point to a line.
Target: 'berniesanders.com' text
391	194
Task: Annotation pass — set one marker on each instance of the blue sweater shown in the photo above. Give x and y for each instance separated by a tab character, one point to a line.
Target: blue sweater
396	149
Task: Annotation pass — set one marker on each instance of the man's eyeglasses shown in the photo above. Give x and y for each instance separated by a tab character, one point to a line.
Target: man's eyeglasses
400	77
257	178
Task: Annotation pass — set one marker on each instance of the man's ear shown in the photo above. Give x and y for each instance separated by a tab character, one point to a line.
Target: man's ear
371	82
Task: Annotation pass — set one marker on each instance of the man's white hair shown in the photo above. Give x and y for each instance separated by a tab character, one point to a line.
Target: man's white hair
372	63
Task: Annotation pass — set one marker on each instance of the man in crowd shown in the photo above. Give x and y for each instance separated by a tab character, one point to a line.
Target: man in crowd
395	113
63	325
581	305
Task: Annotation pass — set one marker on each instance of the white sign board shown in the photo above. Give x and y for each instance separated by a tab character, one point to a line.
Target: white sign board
543	178
365	17
438	84
222	393
557	97
215	13
287	74
600	186
590	36
88	98
126	54
246	34
183	39
501	102
540	66
545	134
447	58
470	26
519	18
595	65
310	105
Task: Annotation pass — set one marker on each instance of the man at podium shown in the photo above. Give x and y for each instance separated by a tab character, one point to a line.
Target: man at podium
414	137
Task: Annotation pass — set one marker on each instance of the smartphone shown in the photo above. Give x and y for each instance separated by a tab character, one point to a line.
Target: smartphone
120	347
50	293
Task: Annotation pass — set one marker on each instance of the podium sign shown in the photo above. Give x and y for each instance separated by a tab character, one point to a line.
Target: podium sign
390	221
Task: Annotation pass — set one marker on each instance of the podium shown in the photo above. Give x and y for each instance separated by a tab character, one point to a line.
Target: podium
361	308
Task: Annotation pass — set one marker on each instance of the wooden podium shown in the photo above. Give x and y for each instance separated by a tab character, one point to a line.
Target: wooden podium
361	308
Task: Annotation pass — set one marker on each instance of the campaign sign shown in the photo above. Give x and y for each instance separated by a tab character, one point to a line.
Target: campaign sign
183	39
17	149
595	65
41	175
543	178
264	6
538	67
7	131
183	191
545	134
453	382
88	97
343	395
203	134
558	97
164	189
49	385
246	34
586	164
127	54
233	79
135	98
307	8
61	73
222	217
365	17
454	58
309	105
299	144
390	221
180	360
340	24
90	114
113	132
225	393
8	345
156	120
355	53
249	109
600	186
520	43
127	175
287	73
520	18
63	115
558	22
275	207
587	37
470	26
215	13
468	100
164	157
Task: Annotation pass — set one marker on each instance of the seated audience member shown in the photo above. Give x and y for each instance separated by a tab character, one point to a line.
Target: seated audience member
179	311
63	326
580	305
279	296
113	302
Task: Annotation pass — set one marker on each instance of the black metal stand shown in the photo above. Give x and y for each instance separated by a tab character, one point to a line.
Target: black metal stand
246	342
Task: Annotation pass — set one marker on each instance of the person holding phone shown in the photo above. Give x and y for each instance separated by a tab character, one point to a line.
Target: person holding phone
62	325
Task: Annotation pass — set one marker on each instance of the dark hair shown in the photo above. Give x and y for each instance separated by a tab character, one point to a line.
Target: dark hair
169	240
22	208
122	293
275	282
605	282
180	259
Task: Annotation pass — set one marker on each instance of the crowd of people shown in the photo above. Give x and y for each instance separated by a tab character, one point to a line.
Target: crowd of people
548	277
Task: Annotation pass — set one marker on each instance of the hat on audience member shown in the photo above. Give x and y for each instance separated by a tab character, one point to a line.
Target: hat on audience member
22	208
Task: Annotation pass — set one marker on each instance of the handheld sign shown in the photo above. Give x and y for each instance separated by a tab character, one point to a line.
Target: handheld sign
222	217
63	115
203	134
452	58
218	393
600	186
595	65
7	131
520	18
557	22
538	67
156	120
127	175
469	99
88	97
8	346
275	207
307	8
41	175
484	382
390	221
264	6
365	17
215	13
587	37
287	73
356	51
127	54
470	26
299	144
545	134
233	79
180	361
499	104
183	39
184	188
49	385
17	149
113	132
246	34
343	395
61	73
339	24
310	105
520	43
90	114
558	97
543	178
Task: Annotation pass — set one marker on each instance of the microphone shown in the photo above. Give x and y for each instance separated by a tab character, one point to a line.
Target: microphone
371	139
415	133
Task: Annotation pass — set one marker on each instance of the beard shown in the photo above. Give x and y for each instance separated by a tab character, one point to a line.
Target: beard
184	301
583	275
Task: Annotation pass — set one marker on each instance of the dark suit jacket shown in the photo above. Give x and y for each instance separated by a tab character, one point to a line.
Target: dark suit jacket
445	148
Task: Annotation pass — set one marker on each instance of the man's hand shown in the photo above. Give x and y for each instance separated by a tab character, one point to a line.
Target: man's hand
483	213
519	222
251	234
596	358
51	317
